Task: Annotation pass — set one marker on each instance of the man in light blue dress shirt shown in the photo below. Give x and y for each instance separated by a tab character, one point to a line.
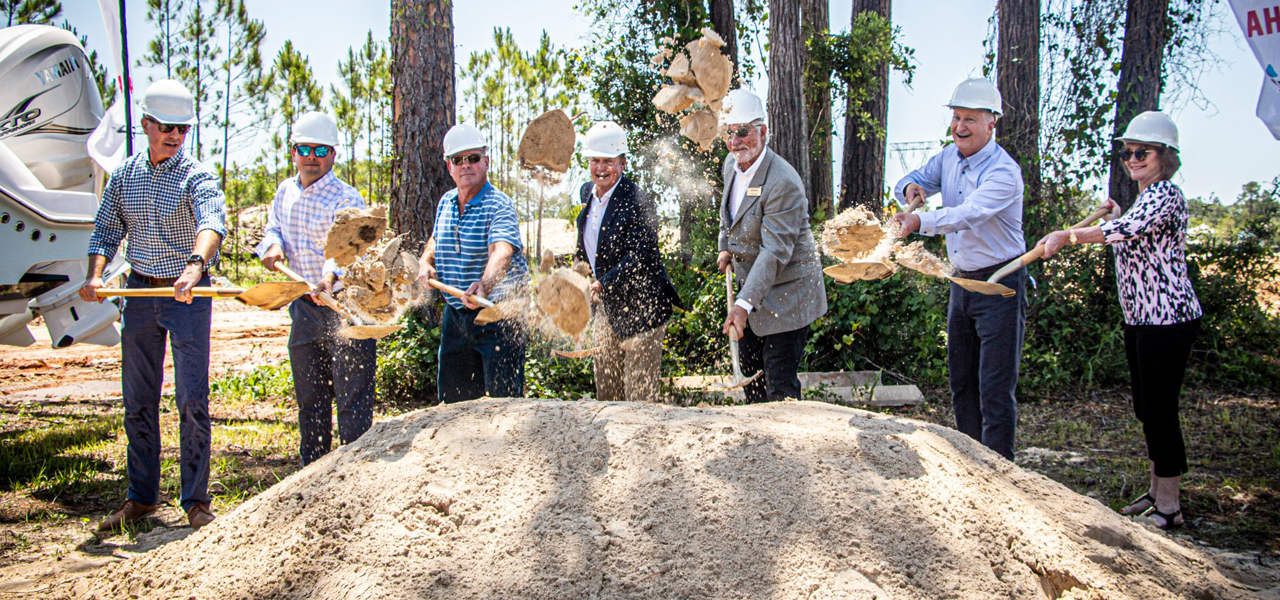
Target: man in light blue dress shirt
981	215
328	369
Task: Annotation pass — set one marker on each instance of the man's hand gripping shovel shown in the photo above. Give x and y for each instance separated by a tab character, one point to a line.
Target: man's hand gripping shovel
739	381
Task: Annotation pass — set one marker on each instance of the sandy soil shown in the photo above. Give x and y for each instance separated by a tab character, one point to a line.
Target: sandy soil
549	499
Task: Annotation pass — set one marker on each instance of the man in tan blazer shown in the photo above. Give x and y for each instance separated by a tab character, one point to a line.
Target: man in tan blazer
765	236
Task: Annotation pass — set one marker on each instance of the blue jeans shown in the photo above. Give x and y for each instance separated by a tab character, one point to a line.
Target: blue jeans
328	370
148	323
479	359
984	349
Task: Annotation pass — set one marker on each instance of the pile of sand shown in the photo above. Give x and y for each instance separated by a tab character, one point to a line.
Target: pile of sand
549	499
353	231
382	284
700	76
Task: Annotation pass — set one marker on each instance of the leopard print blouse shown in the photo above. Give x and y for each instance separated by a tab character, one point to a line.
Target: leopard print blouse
1150	244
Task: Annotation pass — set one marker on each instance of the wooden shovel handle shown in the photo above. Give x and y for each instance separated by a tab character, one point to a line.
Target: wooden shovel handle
323	297
453	291
216	292
1038	251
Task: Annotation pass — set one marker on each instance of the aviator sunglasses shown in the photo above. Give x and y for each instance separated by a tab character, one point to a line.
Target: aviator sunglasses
740	132
1140	154
470	159
169	127
321	151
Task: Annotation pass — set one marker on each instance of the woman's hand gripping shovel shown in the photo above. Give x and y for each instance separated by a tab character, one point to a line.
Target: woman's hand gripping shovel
738	382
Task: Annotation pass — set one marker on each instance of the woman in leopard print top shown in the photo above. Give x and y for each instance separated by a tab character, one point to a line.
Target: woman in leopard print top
1161	312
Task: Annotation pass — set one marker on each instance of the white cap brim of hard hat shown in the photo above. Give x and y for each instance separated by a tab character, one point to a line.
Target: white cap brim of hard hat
311	140
1129	140
465	149
599	154
994	112
164	120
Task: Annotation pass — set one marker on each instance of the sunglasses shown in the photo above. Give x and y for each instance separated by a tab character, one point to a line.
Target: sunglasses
740	132
321	151
469	159
168	127
1140	154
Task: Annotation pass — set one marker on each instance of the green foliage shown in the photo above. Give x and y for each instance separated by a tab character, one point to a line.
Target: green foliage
407	362
265	383
848	63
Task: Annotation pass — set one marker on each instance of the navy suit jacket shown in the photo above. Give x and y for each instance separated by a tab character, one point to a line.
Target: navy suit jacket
637	293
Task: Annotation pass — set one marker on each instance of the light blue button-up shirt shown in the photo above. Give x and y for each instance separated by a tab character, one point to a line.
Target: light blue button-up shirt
299	222
981	212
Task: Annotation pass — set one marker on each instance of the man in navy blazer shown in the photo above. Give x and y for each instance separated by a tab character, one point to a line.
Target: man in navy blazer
618	238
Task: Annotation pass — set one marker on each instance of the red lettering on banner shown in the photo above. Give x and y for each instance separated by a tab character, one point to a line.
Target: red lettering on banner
1272	17
1252	25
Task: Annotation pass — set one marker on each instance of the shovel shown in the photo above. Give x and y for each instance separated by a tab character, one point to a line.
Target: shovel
491	312
357	330
867	269
1038	251
738	382
268	296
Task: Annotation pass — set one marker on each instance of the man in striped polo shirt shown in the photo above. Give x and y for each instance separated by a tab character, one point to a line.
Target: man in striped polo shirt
174	215
327	369
476	246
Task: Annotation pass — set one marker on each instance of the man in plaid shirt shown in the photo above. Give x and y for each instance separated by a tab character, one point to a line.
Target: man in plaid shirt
327	368
173	213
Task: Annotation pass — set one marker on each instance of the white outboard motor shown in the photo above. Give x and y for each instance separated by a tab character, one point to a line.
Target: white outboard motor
49	104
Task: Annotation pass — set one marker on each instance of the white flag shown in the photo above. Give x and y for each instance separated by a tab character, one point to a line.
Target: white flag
1260	22
106	143
111	20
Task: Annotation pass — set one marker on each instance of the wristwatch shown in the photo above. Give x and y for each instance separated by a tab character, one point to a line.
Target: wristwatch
194	258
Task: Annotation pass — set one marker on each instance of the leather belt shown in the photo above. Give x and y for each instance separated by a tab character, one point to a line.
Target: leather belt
984	273
155	281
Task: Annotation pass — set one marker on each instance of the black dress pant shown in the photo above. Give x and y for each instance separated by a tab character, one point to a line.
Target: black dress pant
778	355
1158	357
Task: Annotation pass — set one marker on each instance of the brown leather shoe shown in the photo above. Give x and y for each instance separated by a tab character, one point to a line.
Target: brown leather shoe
199	516
130	512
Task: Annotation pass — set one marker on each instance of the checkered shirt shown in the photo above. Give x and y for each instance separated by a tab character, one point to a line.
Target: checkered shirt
462	242
300	219
160	208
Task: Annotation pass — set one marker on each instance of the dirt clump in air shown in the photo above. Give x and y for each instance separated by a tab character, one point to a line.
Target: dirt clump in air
862	269
382	284
354	230
914	256
853	233
564	297
547	142
700	75
517	498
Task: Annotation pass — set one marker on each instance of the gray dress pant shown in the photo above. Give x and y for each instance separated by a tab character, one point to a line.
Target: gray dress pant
984	350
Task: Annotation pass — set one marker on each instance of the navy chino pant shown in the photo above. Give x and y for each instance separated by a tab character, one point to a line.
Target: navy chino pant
150	323
475	360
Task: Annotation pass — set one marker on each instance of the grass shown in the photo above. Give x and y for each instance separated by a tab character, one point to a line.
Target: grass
1231	496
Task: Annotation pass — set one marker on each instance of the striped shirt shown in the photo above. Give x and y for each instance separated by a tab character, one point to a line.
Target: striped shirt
160	208
462	241
981	212
299	221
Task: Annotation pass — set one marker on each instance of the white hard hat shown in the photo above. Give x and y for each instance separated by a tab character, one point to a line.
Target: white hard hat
315	127
740	107
168	101
1151	127
605	139
463	137
979	94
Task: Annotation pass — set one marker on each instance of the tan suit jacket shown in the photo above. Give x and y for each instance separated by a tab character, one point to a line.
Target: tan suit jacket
774	256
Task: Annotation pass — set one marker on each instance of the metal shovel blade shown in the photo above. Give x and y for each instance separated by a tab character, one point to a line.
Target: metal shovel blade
983	287
589	352
738	382
368	332
273	294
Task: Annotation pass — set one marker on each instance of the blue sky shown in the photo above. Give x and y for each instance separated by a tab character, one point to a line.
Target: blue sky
1224	145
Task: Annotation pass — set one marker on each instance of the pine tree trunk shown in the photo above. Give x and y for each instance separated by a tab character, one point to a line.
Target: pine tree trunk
1018	77
422	112
817	20
1145	35
788	125
723	22
862	166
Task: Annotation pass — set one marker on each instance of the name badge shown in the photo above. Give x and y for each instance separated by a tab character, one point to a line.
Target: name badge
753	191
